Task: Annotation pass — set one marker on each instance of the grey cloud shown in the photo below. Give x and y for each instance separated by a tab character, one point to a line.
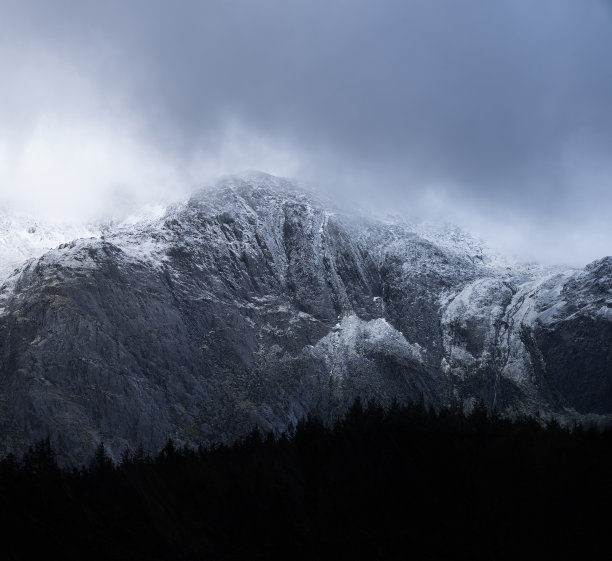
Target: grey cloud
501	109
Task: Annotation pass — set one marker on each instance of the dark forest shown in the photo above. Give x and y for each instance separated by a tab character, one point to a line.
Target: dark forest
398	483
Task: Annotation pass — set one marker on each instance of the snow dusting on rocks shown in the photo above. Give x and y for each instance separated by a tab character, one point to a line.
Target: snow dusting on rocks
258	302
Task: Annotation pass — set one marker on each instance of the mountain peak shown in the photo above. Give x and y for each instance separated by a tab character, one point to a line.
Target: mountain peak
257	186
257	302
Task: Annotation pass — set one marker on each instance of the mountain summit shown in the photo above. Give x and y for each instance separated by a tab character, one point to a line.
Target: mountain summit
256	302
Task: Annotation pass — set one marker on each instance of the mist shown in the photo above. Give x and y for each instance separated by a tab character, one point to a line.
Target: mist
495	116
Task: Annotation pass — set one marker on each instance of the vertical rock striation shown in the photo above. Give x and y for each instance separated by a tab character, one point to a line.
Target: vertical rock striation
257	303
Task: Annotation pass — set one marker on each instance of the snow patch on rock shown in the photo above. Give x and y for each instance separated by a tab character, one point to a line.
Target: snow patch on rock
352	338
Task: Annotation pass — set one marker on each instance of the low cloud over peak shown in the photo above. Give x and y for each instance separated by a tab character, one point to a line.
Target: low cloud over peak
496	115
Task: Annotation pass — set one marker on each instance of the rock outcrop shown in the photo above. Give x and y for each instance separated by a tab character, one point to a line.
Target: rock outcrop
256	303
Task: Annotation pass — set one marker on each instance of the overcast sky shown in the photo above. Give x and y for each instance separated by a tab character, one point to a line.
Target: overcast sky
495	115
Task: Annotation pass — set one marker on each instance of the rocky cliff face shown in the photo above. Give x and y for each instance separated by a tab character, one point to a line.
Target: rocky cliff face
254	302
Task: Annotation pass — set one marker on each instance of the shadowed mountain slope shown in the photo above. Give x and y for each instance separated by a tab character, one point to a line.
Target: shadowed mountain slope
256	302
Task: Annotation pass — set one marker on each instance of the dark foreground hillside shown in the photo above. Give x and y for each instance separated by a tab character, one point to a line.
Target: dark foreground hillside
400	484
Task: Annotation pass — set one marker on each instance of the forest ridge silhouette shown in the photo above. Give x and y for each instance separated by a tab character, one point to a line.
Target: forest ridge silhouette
404	482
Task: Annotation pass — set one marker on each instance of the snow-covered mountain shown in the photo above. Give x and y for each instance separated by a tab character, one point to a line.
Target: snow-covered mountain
23	237
258	302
